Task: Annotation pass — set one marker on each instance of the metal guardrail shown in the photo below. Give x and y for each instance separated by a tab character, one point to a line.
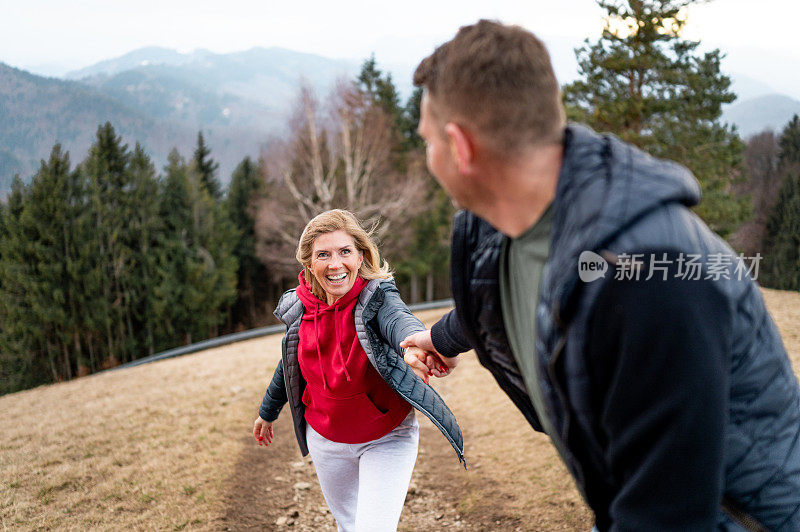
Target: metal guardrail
247	335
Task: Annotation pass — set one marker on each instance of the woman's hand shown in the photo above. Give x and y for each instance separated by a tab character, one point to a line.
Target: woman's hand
438	365
417	359
262	431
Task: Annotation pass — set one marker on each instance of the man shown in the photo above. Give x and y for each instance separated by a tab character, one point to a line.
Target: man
660	377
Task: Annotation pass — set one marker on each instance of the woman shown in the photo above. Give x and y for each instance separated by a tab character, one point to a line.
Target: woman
351	394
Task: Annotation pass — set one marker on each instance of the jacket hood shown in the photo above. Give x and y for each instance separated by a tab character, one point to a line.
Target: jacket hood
604	186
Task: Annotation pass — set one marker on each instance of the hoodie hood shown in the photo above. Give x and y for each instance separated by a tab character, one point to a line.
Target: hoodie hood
310	301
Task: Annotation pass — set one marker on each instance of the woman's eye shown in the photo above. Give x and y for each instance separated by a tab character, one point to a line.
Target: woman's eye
322	255
345	252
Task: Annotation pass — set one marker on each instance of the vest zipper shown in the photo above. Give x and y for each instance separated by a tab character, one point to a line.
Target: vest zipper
740	517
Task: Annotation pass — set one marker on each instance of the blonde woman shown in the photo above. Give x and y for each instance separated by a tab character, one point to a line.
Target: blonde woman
342	371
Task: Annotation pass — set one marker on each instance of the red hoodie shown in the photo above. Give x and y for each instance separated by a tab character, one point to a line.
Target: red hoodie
346	399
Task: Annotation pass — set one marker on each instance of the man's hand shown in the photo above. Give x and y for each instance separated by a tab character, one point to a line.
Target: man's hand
437	364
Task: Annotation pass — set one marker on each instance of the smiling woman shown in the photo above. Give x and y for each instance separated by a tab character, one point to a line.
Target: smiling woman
351	396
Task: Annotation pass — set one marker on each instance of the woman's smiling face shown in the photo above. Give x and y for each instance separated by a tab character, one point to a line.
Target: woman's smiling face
335	261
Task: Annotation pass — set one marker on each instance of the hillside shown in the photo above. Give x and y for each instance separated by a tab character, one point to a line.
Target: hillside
754	115
160	98
267	76
37	112
162	91
168	446
251	89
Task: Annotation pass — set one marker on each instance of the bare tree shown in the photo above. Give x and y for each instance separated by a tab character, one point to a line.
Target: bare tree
337	155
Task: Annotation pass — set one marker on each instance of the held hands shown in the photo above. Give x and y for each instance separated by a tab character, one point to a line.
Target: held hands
423	357
262	431
417	359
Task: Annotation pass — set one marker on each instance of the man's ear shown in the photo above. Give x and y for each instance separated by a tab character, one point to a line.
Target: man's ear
461	146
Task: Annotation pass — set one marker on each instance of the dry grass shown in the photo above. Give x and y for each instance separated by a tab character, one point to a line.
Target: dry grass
149	447
785	309
166	446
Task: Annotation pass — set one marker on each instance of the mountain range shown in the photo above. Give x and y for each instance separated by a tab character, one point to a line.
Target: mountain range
754	115
162	98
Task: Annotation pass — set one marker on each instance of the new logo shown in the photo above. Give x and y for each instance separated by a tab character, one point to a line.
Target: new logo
591	266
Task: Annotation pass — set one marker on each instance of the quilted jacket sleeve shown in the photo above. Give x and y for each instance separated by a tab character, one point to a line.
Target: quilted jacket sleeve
275	397
394	319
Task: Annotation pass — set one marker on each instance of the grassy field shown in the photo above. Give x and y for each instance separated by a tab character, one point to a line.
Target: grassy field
167	446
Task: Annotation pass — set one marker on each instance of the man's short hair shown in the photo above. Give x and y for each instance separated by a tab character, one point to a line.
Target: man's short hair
499	79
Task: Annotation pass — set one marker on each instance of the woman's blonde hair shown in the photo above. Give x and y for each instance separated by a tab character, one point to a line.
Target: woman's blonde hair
340	220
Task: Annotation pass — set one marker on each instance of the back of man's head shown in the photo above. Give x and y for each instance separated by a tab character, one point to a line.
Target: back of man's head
499	80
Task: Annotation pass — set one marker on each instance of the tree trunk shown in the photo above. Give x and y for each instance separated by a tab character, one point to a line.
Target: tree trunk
414	288
429	287
92	360
67	362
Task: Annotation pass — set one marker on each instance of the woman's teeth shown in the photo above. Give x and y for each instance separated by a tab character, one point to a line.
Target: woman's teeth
336	278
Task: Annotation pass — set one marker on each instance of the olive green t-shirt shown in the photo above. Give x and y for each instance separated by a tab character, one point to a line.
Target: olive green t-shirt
521	266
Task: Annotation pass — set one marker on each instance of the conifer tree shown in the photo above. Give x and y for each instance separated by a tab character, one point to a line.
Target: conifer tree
245	189
41	324
146	225
782	251
789	143
107	245
212	265
22	363
379	87
206	167
382	93
410	122
195	263
171	257
426	255
644	83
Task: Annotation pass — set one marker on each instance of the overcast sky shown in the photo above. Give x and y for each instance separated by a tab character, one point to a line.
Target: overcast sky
760	38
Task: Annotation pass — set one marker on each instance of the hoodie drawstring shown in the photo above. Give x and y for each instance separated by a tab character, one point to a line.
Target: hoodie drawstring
316	340
339	340
338	343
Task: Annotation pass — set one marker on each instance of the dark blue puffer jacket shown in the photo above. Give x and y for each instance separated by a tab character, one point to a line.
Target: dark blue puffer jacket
611	199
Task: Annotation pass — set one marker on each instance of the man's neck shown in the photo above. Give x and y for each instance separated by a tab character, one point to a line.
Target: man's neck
519	192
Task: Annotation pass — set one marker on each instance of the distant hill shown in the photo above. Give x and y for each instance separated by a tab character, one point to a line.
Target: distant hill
131	60
747	88
37	112
754	115
268	76
166	91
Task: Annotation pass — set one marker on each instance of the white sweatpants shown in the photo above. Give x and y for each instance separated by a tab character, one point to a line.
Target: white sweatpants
365	484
